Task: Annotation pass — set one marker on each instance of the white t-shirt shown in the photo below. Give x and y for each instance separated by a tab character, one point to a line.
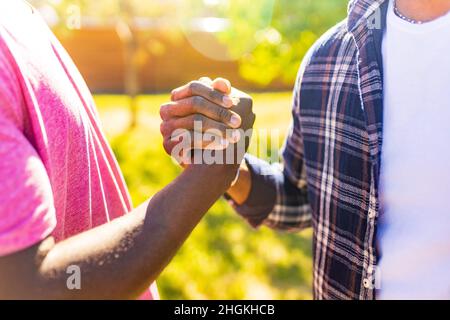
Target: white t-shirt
414	229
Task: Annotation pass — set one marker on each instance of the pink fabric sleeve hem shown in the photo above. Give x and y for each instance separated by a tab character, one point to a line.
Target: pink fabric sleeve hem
20	242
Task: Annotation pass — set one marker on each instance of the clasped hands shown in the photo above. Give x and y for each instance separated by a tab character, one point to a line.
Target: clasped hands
207	122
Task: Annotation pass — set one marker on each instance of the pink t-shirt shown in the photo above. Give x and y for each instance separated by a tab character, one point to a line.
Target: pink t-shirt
58	174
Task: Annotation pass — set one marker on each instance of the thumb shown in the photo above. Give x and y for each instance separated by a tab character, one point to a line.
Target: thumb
222	85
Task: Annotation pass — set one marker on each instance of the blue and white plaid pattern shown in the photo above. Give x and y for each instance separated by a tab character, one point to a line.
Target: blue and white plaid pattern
332	155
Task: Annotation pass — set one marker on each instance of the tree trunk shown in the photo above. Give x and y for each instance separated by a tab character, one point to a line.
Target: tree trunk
130	45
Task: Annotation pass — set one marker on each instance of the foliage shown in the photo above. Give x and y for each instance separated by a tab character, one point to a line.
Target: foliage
269	38
296	25
224	258
105	10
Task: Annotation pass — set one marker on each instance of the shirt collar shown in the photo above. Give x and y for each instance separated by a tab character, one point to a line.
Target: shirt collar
360	10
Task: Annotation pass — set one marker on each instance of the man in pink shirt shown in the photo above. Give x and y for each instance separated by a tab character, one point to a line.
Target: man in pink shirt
63	200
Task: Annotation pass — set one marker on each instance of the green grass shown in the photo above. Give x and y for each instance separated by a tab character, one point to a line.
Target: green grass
224	258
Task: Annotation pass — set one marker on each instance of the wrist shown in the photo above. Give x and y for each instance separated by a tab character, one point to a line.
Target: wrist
236	178
240	188
223	174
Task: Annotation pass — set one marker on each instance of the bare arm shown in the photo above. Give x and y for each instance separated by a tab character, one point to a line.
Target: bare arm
121	259
264	194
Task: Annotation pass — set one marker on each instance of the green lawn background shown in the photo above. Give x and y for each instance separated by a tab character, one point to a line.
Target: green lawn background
224	258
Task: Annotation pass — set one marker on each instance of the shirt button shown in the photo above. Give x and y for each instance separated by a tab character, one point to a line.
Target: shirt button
372	214
366	283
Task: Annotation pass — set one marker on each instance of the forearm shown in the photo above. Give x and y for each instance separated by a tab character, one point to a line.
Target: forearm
122	258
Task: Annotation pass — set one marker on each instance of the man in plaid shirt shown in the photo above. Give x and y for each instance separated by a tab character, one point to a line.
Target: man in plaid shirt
332	178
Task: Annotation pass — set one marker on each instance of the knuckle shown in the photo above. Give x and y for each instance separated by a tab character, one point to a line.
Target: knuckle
190	86
166	128
198	118
164	111
223	114
215	95
167	145
204	78
198	102
194	87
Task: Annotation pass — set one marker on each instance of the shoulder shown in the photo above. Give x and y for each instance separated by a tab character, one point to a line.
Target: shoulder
334	49
331	44
11	99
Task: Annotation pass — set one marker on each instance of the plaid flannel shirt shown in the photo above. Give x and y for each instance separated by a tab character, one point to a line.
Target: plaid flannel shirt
331	158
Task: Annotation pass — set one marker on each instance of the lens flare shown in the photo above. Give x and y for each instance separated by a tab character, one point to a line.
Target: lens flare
211	26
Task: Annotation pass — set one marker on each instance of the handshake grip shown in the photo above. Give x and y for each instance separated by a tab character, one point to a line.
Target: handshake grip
207	123
244	109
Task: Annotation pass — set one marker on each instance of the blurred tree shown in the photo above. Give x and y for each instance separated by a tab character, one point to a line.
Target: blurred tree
296	25
232	23
268	37
126	30
133	21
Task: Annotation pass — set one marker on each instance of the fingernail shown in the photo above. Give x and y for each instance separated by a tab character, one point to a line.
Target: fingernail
172	95
235	121
227	101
